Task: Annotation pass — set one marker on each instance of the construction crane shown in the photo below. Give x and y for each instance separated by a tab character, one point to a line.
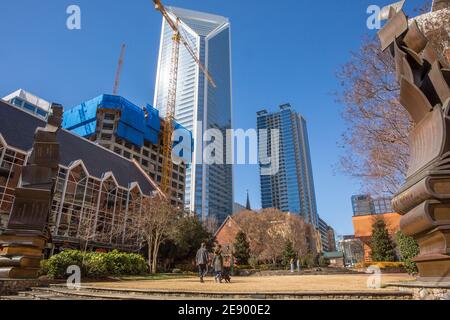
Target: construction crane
166	179
119	70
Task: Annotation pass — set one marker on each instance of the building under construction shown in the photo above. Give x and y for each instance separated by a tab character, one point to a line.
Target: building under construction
132	132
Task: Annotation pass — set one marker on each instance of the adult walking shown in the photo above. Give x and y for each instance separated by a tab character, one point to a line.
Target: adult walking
218	263
202	261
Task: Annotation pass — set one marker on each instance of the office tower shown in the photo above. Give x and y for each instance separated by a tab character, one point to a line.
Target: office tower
291	188
327	236
200	106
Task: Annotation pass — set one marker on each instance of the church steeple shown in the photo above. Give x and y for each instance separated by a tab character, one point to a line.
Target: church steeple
248	206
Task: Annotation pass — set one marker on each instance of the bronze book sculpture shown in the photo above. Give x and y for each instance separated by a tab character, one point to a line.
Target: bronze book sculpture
423	72
23	242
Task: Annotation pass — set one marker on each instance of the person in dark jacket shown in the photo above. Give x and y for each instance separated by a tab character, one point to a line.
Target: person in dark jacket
202	261
218	263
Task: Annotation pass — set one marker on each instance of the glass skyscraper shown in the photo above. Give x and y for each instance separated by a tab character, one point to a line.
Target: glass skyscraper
367	205
200	106
291	188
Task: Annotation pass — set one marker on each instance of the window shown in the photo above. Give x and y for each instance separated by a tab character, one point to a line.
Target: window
110	116
106	136
29	107
145	163
128	145
108	126
127	154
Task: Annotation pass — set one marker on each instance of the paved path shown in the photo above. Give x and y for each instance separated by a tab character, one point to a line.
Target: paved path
318	283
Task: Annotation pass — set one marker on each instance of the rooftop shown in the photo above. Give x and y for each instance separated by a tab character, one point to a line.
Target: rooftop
29	97
18	127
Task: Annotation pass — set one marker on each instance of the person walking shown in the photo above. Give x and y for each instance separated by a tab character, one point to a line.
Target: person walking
202	261
218	263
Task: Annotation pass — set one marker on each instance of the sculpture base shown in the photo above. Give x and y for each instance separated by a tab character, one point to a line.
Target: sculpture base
434	268
424	290
21	254
19	273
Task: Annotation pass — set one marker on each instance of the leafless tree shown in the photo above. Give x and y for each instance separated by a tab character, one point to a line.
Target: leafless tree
156	224
269	230
375	144
211	224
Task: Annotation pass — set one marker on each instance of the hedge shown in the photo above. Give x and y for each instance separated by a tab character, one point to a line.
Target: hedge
381	265
95	265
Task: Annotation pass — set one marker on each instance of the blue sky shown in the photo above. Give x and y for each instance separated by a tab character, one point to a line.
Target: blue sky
283	51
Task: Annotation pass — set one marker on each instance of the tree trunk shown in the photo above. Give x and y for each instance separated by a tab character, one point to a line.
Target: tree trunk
155	255
150	256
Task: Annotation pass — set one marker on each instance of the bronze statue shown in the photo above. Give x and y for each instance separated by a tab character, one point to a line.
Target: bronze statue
423	72
23	242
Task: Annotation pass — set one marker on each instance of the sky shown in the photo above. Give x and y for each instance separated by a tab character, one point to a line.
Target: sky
282	51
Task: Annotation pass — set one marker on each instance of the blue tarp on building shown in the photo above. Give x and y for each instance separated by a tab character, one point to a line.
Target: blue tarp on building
133	126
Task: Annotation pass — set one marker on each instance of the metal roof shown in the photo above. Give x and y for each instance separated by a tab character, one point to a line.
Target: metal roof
18	127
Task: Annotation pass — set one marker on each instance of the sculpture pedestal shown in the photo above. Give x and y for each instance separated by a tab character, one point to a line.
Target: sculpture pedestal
20	254
424	290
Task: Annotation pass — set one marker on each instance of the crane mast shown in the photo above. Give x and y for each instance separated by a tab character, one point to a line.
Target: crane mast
119	70
177	38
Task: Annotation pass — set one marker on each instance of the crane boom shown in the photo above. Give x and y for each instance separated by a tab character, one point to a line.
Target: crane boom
119	70
167	165
160	7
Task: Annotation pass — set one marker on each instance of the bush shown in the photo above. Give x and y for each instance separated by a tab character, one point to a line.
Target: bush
44	268
95	265
409	249
323	262
57	265
308	261
186	267
386	265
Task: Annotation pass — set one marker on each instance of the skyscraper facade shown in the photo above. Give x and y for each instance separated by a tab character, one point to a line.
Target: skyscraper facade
291	189
200	106
368	205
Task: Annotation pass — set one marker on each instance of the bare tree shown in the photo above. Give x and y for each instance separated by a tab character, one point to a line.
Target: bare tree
375	144
156	224
269	230
297	234
211	224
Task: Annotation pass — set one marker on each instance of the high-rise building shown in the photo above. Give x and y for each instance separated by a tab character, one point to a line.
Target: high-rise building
200	106
28	102
291	188
130	131
368	205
